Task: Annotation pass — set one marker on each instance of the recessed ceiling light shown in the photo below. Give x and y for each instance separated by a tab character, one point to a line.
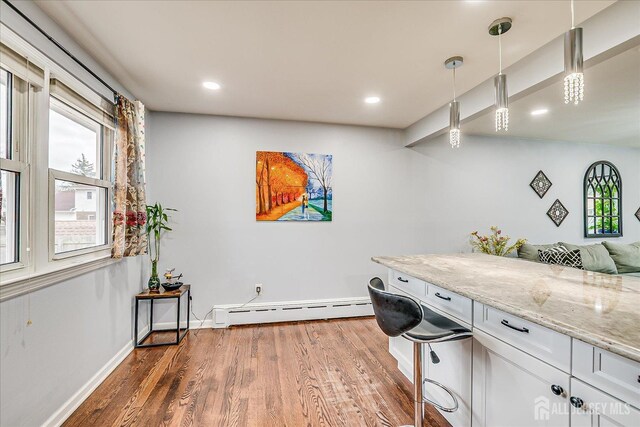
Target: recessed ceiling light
372	100
211	85
540	112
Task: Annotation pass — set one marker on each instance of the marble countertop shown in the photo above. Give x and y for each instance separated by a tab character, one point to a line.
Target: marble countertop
599	309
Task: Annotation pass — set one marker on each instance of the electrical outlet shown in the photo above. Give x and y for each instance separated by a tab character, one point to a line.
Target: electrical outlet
258	288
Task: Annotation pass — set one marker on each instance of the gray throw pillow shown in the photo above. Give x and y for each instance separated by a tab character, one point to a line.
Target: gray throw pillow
626	257
530	252
594	257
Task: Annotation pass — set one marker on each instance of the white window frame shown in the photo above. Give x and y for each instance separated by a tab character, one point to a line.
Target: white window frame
64	109
104	141
101	217
20	93
39	266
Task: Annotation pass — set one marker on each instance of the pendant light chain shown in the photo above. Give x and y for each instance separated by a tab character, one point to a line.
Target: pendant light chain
500	46
454	83
573	25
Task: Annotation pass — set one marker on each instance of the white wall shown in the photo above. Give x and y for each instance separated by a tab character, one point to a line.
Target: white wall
387	200
486	182
205	167
79	324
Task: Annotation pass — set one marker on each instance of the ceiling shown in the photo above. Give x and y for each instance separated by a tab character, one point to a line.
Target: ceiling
306	60
609	114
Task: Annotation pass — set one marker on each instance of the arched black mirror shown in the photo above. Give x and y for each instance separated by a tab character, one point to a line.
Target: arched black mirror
602	201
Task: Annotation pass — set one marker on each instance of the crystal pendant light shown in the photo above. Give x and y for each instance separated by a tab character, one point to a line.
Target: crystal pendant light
498	28
502	102
573	75
454	107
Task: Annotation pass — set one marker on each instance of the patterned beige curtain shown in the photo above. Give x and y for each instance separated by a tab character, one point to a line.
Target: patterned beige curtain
129	213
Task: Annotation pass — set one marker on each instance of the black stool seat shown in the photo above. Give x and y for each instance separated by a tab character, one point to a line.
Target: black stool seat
435	327
401	315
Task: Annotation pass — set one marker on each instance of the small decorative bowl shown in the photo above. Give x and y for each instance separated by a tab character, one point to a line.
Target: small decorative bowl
172	286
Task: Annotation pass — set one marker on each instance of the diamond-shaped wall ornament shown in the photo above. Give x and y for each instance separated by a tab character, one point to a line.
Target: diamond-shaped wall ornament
557	212
541	184
638	214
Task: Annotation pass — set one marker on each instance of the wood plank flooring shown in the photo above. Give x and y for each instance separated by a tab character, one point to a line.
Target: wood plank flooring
320	373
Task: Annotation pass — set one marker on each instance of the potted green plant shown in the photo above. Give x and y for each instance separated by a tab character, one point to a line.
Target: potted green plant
495	243
157	224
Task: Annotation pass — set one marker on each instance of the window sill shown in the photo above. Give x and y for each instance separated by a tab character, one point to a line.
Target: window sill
29	283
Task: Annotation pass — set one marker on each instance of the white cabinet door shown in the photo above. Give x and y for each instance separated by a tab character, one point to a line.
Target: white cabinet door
514	389
613	374
598	409
454	372
402	350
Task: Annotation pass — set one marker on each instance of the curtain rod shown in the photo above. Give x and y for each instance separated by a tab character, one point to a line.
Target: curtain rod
60	46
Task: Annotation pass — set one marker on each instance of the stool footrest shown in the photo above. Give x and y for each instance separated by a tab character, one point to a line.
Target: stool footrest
436	404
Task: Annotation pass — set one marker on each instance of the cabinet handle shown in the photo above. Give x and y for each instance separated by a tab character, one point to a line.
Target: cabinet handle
577	402
506	323
441	297
403	280
557	390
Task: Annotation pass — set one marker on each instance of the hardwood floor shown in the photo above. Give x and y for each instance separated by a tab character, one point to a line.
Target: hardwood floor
320	373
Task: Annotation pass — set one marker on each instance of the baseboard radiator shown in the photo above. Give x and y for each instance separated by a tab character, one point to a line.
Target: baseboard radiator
238	314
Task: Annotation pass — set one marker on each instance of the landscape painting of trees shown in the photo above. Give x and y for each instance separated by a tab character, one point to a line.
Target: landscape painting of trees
293	186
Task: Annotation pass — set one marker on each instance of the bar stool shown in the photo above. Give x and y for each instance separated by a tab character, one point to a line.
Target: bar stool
400	315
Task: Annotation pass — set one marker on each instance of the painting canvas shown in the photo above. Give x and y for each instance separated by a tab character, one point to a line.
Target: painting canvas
293	186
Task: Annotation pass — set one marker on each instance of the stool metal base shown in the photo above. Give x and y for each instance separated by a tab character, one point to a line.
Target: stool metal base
446	390
418	393
418	401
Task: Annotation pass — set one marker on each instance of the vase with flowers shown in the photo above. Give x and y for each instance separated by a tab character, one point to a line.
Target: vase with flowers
495	243
157	225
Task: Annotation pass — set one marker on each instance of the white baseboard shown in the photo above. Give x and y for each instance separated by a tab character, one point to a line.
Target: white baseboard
250	313
194	324
81	395
288	311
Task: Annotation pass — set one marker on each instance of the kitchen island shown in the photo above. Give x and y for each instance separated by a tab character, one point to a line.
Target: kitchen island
552	345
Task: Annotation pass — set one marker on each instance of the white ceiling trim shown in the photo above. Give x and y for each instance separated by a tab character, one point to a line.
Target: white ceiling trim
610	30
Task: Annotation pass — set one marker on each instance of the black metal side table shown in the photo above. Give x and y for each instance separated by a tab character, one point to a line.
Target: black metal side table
163	295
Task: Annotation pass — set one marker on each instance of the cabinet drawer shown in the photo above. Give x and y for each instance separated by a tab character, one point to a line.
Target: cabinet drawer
599	409
543	343
613	374
512	388
451	303
408	284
